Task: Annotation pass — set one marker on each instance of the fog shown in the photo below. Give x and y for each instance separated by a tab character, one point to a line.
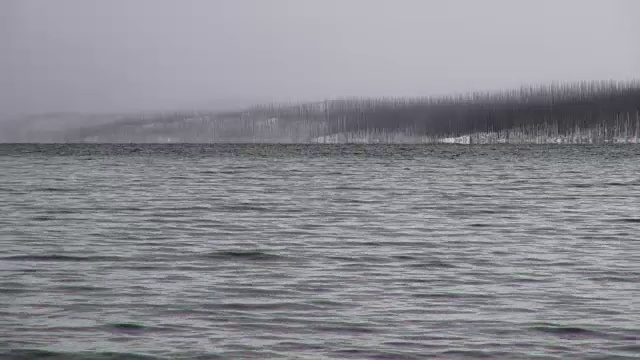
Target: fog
129	55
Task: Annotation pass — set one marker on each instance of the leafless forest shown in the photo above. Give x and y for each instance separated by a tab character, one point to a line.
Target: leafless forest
585	112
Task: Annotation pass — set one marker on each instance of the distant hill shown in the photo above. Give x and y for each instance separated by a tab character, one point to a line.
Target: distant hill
582	112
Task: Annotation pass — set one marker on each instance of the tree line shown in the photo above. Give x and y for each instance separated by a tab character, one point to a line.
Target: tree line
608	110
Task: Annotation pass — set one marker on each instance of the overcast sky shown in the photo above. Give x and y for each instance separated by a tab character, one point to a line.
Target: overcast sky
115	55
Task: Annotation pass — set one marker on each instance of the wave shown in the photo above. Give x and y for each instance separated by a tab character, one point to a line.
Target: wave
62	258
243	255
567	331
32	354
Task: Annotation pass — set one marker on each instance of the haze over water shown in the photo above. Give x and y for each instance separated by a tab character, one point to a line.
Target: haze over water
148	55
319	251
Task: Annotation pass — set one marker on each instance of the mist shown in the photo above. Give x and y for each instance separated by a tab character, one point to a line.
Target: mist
133	55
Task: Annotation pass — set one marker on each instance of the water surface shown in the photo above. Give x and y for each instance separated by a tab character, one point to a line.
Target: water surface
319	251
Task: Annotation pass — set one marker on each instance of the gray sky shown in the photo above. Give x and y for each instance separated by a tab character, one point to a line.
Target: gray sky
115	55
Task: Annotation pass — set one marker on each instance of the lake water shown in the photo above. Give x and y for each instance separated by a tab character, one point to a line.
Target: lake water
319	251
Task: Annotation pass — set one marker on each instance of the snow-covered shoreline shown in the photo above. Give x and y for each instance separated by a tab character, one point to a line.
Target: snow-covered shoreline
514	137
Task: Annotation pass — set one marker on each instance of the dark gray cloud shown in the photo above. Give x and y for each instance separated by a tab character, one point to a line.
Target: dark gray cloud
95	55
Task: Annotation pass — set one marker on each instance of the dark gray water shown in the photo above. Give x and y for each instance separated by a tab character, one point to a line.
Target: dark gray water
311	252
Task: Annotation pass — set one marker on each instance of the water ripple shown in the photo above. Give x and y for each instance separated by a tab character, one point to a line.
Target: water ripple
319	251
